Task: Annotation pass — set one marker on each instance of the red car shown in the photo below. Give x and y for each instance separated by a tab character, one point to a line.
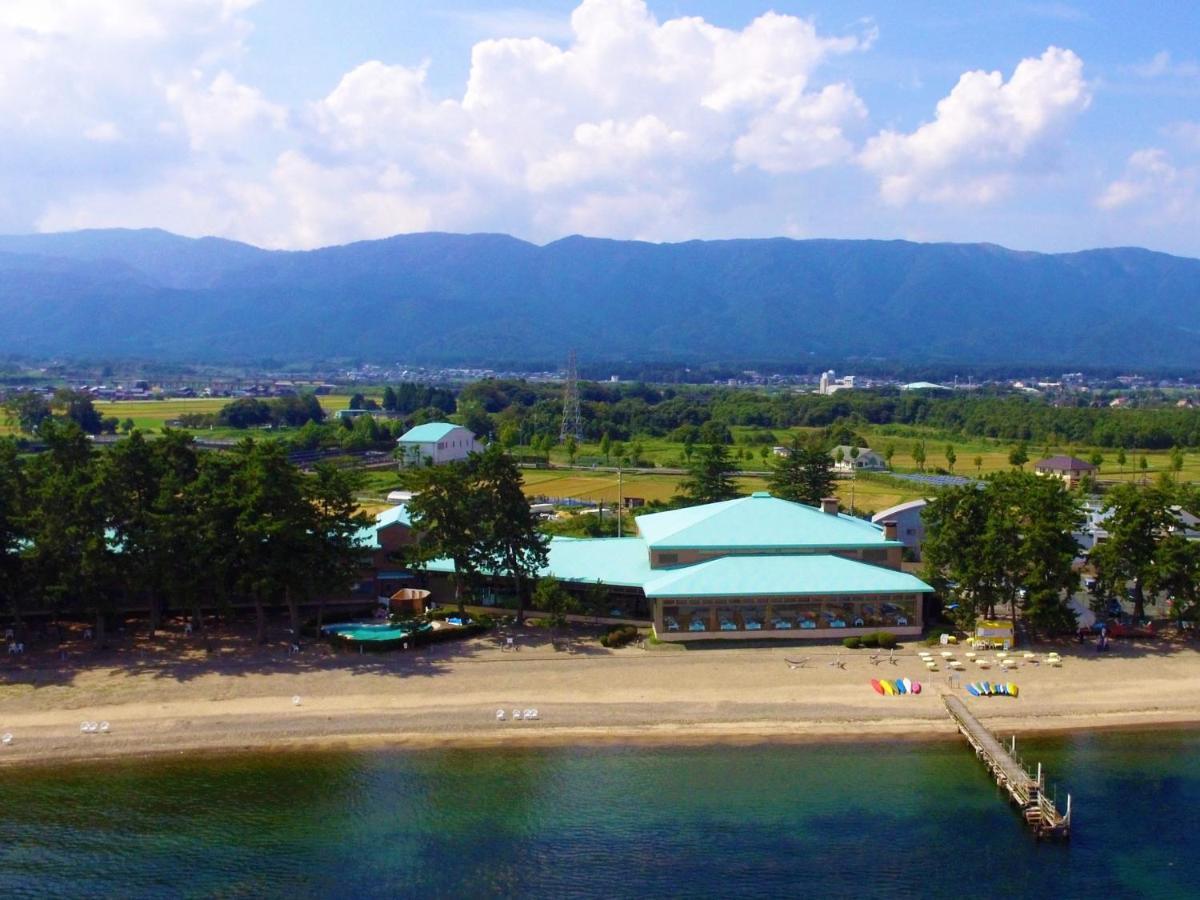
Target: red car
1122	630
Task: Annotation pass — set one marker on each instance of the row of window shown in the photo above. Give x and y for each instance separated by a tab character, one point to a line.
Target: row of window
799	615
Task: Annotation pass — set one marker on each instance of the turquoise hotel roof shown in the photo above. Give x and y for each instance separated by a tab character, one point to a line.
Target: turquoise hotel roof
794	576
368	536
759	520
624	562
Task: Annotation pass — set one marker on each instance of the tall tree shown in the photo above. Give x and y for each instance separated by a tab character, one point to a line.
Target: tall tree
128	479
27	410
918	455
448	516
710	476
803	475
72	558
1138	519
1009	538
1018	456
13	537
951	457
1176	570
513	543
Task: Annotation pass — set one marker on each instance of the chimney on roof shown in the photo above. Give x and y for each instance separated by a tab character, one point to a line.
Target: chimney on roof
829	505
889	531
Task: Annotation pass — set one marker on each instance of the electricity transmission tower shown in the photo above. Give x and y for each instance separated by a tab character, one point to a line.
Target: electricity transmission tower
572	423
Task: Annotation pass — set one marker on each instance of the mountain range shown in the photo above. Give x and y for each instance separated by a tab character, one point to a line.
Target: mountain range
480	298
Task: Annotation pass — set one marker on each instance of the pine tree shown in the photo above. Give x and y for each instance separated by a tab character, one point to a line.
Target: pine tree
710	477
804	475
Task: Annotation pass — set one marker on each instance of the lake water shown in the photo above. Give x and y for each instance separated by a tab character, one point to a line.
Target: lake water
863	820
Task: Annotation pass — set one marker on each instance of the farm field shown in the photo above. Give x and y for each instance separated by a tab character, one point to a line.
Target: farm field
597	486
992	455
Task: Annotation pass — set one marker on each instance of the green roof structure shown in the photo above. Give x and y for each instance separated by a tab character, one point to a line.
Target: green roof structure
757	521
429	433
368	537
618	562
791	576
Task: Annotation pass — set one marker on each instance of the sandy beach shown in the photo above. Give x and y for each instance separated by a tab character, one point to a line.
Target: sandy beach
179	700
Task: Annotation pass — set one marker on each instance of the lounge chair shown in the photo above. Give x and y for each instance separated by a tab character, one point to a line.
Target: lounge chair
531	714
499	715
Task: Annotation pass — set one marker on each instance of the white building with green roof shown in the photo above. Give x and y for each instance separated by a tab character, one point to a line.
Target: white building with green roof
436	442
750	568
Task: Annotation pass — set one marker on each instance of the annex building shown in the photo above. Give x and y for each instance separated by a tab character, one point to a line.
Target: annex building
751	568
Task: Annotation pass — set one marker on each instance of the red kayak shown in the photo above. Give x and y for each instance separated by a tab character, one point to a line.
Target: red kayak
875	684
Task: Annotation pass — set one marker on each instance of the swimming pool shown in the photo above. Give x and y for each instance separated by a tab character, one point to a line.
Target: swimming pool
370	632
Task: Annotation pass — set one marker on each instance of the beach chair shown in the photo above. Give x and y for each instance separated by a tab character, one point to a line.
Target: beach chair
7	739
531	714
103	728
516	714
499	715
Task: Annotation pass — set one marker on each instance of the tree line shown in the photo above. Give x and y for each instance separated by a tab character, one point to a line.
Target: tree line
160	526
1008	543
705	414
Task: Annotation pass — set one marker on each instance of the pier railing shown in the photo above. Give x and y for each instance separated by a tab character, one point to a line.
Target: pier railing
1027	791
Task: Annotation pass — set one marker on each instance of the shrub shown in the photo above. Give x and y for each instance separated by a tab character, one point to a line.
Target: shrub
870	640
619	636
852	643
886	640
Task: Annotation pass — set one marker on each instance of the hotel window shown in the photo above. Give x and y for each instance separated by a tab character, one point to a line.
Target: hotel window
671	619
694	618
728	619
808	614
782	617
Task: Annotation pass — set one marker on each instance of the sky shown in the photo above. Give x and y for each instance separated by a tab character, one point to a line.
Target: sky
1048	126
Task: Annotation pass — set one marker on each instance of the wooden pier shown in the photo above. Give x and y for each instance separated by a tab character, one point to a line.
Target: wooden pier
1025	790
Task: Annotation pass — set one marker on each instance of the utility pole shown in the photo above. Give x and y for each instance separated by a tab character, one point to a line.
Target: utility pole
620	502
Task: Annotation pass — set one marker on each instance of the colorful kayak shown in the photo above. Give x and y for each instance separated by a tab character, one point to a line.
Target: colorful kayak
986	688
1013	690
888	688
973	690
916	687
900	688
907	682
876	686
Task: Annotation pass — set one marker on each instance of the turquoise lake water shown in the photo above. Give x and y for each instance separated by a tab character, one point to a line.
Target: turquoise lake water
862	820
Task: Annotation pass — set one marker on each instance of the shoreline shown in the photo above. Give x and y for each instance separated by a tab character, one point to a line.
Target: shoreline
446	697
52	745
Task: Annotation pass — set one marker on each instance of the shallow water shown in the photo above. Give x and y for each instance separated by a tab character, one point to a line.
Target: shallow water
892	819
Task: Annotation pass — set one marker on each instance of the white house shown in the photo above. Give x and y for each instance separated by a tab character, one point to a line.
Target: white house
867	460
436	442
910	527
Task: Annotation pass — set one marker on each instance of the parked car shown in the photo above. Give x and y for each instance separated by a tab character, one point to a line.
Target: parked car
1120	629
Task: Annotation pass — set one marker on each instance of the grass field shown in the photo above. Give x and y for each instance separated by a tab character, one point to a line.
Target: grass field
152	415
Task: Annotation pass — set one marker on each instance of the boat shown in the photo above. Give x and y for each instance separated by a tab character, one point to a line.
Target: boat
876	686
1013	690
973	690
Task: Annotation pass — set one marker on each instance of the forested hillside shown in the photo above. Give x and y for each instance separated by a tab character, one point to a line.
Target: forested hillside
493	298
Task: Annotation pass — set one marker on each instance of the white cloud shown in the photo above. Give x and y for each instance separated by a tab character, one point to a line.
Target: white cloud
218	114
1161	64
985	133
1156	188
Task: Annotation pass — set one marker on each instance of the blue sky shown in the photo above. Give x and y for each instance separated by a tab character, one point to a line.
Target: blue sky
295	123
